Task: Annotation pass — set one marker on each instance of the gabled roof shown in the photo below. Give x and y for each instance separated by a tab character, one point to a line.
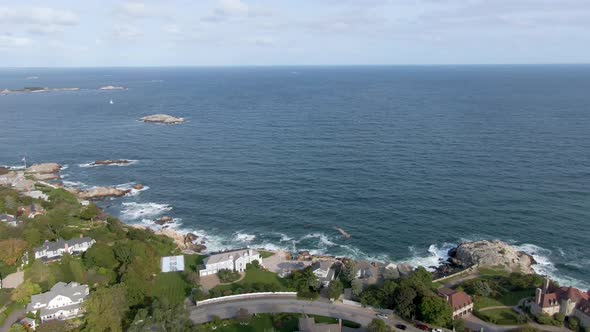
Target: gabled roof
61	243
225	256
73	291
7	217
456	300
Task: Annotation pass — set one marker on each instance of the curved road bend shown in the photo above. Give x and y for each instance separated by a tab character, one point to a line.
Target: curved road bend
229	309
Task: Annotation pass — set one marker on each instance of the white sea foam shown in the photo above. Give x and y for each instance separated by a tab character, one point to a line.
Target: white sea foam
92	164
14	168
64	167
243	237
135	211
323	240
433	257
546	267
73	184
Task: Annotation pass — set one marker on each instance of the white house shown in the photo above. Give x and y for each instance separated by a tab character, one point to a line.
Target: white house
173	263
54	250
230	260
324	271
63	301
9	219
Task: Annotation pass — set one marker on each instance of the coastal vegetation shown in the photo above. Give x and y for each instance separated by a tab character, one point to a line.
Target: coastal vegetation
121	268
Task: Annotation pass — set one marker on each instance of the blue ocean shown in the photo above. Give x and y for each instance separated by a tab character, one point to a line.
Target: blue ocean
410	160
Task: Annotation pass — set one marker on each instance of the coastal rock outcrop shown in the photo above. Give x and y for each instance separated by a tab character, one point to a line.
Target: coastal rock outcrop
162	118
46	168
491	254
163	220
100	192
138	186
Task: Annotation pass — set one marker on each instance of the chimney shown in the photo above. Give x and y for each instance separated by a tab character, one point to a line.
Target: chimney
66	247
249	252
546	285
538	293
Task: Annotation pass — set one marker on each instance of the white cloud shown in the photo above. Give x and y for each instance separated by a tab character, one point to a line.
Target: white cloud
8	42
261	41
126	31
38	16
232	8
137	10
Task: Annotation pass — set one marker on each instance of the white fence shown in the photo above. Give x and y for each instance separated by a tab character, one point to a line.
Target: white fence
246	296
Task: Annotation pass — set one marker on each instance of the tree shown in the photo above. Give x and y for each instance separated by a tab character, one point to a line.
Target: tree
573	323
335	289
161	317
243	316
17	328
123	253
357	287
349	271
435	310
377	325
305	280
459	325
40	272
100	255
22	293
420	280
12	250
89	212
105	309
389	289
404	301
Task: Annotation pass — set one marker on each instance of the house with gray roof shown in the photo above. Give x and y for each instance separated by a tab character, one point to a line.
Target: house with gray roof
54	250
324	271
63	301
9	219
230	260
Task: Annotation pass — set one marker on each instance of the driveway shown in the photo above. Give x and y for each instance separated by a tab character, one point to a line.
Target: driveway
13	280
229	309
11	319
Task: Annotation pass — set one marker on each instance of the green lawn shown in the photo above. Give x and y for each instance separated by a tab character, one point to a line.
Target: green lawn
507	299
6	270
192	262
4	297
499	316
172	287
493	272
255	276
265	254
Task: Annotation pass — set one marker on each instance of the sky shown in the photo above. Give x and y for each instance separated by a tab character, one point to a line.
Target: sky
90	33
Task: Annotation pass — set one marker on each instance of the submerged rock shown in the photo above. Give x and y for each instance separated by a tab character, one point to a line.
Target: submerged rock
138	186
163	220
111	162
162	118
491	254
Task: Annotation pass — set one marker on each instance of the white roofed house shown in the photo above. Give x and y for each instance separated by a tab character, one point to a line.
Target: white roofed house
63	301
231	260
324	271
9	219
54	250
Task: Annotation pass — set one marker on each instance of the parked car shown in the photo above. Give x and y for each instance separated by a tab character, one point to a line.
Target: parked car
380	315
436	330
401	327
422	327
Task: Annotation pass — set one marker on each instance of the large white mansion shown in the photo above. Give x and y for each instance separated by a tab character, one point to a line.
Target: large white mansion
230	260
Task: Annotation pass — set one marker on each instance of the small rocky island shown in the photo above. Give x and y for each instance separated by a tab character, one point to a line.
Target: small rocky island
112	87
99	192
163	119
35	89
491	254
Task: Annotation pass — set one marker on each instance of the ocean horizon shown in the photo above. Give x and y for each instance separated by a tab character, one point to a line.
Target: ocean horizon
410	160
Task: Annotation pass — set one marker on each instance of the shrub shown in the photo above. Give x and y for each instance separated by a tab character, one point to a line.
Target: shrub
226	276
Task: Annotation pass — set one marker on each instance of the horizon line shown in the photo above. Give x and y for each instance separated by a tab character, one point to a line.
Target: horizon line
304	65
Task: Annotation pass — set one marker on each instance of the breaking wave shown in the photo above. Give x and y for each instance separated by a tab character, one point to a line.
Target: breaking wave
92	164
243	237
135	211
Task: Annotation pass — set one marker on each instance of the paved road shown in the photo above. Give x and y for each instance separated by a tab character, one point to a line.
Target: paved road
11	319
229	309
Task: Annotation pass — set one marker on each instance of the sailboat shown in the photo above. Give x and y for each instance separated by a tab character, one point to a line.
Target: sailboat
111	102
